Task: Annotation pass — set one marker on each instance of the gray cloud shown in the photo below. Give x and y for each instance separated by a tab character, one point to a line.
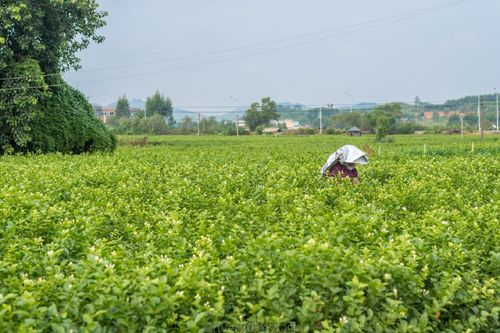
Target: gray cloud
440	55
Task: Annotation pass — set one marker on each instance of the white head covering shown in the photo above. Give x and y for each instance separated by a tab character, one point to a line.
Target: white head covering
345	154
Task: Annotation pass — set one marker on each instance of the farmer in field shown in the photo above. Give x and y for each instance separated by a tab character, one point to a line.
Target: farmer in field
342	163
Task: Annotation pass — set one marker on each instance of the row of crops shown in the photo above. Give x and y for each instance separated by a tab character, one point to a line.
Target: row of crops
242	234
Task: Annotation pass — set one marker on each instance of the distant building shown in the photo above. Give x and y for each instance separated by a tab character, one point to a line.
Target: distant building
270	131
428	115
291	124
354	131
241	123
104	112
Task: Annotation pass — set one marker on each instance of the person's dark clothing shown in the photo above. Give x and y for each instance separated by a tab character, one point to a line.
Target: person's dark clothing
342	171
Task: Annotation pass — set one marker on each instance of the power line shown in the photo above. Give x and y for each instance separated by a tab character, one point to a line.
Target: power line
226	50
240	56
436	103
315	107
28	76
421	12
366	25
33	87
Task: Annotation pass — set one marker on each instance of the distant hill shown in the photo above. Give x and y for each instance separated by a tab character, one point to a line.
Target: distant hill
360	106
363	106
291	106
471	100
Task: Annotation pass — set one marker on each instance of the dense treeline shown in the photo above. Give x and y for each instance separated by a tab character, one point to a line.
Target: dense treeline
384	119
156	125
157	119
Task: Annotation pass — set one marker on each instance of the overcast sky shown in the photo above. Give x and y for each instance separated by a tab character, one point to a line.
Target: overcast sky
233	52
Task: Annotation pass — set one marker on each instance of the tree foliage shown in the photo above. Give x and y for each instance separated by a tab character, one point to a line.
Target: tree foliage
66	123
19	103
122	107
49	31
385	118
38	41
454	121
261	113
158	104
382	120
186	126
154	125
347	120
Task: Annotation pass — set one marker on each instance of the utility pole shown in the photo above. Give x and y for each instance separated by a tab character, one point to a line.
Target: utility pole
320	120
199	117
479	113
321	92
497	108
237	118
330	106
350	97
237	125
462	124
481	120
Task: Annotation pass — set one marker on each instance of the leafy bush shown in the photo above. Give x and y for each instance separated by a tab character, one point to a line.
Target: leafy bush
21	87
153	125
407	128
66	123
301	131
333	131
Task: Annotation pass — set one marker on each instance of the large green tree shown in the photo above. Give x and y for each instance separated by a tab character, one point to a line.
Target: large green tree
186	125
384	118
49	31
158	104
261	113
122	107
38	41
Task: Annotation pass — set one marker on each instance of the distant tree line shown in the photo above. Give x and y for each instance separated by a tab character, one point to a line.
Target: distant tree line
156	125
382	120
157	119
